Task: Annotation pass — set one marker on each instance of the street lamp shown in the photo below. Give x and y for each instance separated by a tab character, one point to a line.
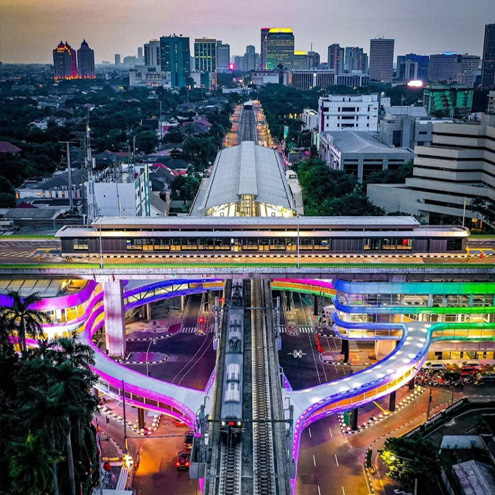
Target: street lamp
101	248
298	249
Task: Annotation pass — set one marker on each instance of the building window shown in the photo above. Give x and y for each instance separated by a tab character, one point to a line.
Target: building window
81	245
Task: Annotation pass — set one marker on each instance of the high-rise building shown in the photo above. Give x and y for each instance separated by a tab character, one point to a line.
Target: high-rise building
175	58
488	69
205	57
65	62
140	55
452	67
381	59
250	58
421	67
355	59
313	59
117	59
443	67
444	100
152	53
300	61
279	48
86	61
223	56
264	38
336	58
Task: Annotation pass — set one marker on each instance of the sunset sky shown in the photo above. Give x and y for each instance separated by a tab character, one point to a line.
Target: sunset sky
31	29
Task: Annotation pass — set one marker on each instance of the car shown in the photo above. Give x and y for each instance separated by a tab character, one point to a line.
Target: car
473	364
469	370
188	440
183	460
179	423
434	365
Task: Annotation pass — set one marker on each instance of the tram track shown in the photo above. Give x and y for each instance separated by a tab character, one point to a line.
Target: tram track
263	459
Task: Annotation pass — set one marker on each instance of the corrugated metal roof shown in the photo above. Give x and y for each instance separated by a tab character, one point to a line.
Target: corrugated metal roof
247	169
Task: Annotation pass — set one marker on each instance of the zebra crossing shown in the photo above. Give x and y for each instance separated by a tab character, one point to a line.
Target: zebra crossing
194	330
298	329
17	254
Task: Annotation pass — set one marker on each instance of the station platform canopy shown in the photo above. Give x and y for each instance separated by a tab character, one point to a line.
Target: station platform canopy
246	181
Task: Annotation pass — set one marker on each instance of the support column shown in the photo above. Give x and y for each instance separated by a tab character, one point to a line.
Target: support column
315	308
411	384
113	303
345	350
391	404
147	311
354	419
140	418
182	303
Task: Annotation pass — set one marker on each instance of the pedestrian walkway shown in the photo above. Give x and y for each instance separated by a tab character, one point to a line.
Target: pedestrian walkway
295	330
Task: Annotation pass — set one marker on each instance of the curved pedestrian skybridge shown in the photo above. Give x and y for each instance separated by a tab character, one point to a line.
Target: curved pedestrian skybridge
246	180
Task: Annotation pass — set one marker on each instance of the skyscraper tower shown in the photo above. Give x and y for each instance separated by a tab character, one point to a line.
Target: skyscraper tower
86	61
381	59
488	67
205	57
223	56
152	53
336	58
279	48
65	62
264	37
176	58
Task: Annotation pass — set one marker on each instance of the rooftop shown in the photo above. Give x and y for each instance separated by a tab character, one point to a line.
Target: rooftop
247	169
362	142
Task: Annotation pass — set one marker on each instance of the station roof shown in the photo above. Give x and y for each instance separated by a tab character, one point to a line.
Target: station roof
247	169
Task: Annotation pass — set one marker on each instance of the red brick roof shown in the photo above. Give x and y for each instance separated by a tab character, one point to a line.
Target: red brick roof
6	147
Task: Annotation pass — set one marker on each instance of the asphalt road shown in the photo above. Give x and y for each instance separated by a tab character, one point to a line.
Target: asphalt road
247	126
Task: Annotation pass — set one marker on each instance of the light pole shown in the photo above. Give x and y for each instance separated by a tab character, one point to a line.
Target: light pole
298	249
101	248
430	398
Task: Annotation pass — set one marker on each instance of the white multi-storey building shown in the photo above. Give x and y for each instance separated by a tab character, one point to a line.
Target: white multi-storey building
457	168
348	112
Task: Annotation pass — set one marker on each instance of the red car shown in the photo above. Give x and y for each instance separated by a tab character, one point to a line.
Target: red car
469	370
183	460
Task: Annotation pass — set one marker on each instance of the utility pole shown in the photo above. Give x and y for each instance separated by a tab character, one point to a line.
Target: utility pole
125	421
69	174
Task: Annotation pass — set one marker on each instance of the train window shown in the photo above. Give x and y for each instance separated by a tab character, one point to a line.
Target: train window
190	244
372	244
277	244
134	244
250	244
321	244
162	244
404	244
388	243
81	244
306	244
264	245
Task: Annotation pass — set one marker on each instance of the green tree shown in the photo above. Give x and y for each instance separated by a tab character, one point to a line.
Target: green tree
352	204
410	459
22	318
397	176
485	207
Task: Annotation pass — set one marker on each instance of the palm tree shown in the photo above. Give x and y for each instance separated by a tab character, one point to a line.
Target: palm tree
29	468
22	319
5	343
70	349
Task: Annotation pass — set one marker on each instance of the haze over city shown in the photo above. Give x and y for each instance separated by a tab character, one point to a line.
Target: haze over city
29	29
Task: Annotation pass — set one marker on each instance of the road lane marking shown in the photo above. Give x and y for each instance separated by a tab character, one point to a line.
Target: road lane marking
314	460
343	491
319	491
330	431
336	460
309	431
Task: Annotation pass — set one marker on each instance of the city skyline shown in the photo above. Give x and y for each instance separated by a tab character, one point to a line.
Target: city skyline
29	30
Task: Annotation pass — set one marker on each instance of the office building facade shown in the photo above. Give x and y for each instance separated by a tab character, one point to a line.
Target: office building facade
447	175
205	57
223	56
65	62
176	58
86	61
488	68
355	59
279	48
336	56
381	60
420	69
348	112
152	53
264	39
